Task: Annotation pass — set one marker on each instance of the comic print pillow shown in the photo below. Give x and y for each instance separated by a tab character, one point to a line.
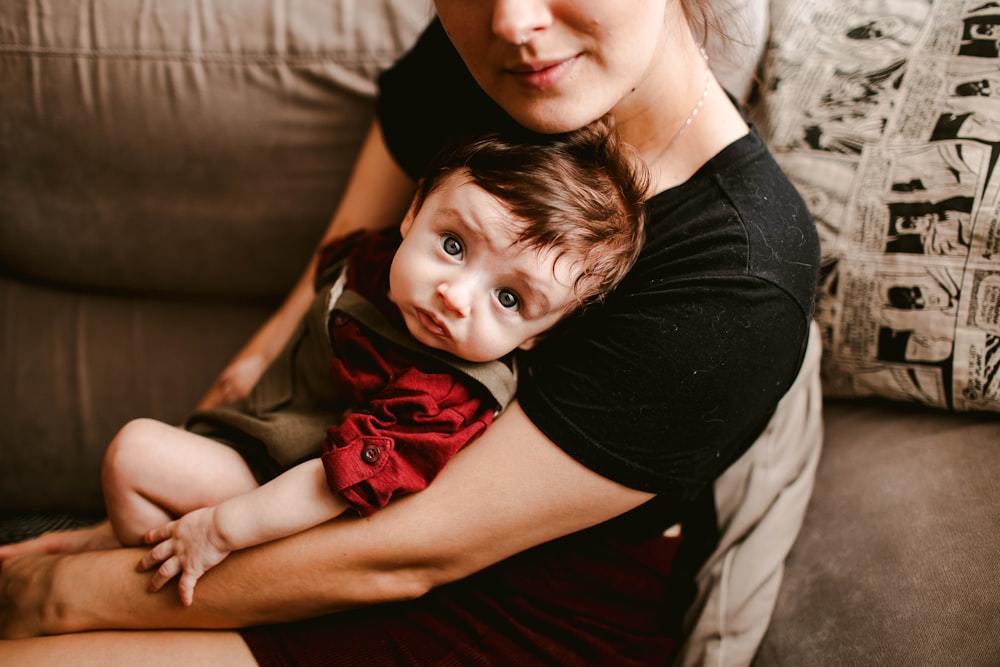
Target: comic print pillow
886	115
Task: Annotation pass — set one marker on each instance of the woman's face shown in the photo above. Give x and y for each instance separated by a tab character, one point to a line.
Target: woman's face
581	58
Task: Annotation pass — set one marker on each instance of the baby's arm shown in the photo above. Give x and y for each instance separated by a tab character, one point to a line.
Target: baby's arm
295	501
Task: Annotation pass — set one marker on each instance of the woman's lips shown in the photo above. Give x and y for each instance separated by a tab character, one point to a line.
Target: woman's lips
541	75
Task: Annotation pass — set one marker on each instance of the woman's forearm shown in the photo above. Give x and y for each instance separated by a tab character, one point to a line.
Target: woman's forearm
94	590
508	491
309	574
376	197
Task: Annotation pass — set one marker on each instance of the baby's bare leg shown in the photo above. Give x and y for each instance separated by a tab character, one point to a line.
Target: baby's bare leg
209	473
154	472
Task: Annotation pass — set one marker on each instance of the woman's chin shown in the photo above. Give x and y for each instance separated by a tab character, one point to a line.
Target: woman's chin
552	115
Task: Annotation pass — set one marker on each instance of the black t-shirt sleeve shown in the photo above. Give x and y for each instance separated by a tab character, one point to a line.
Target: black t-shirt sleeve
662	396
677	374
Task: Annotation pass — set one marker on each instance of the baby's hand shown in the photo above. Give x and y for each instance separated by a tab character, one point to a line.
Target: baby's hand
189	546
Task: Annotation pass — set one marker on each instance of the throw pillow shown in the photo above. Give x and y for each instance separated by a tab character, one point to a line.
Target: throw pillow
884	113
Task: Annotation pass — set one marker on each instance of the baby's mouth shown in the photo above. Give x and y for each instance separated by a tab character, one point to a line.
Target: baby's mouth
433	324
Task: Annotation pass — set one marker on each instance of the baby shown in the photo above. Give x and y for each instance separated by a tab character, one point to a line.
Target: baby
402	360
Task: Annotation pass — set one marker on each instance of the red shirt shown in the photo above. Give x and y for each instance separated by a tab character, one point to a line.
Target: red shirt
416	408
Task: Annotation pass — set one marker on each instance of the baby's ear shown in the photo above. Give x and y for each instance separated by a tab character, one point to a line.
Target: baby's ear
530	343
411	213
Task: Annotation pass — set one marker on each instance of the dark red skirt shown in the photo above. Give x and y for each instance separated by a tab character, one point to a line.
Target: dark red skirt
576	601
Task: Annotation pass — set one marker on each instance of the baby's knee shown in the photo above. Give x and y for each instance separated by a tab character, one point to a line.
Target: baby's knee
130	449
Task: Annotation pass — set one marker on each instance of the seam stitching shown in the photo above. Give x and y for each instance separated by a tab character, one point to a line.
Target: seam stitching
326	57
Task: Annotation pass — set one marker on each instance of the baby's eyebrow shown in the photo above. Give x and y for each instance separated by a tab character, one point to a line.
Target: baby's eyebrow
536	300
454	217
473	227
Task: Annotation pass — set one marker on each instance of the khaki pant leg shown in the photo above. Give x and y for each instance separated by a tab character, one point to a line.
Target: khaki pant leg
760	502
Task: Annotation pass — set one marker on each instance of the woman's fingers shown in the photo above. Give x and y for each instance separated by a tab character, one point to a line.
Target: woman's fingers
235	381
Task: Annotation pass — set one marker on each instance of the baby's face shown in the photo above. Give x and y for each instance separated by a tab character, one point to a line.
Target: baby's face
464	287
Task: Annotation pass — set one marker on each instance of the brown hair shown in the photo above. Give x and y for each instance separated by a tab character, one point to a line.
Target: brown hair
581	193
704	19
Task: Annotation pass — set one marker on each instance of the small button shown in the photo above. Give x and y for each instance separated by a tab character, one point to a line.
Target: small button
371	454
340	319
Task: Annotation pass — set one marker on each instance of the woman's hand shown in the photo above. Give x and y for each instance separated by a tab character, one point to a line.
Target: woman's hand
189	546
235	381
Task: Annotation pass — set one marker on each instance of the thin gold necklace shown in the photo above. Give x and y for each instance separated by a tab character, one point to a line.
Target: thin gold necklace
697	107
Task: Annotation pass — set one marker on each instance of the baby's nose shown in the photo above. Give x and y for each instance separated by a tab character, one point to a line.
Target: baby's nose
455	299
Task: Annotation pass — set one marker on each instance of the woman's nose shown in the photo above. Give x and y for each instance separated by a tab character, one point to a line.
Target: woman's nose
517	21
456	299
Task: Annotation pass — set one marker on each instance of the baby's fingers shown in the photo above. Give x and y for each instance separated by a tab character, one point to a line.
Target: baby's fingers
167	571
156	555
156	535
186	585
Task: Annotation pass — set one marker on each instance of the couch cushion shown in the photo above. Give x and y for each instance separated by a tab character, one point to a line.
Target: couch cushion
897	562
177	146
166	168
882	113
76	366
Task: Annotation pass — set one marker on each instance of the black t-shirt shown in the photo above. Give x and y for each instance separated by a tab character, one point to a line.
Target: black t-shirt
678	372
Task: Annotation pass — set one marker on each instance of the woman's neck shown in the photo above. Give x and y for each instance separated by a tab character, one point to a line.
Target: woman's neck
680	117
717	125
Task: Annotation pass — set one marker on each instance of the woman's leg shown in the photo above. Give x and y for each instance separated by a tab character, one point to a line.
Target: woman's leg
99	536
581	600
190	648
154	472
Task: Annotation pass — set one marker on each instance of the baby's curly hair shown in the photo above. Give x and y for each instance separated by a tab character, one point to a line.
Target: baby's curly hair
581	193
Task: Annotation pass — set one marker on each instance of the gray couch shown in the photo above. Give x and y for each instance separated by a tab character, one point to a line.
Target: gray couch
165	168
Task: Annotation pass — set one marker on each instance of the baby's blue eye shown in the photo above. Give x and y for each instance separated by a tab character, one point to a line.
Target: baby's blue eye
507	299
451	245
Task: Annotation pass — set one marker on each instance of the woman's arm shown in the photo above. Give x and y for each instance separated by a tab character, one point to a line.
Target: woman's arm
509	490
376	197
